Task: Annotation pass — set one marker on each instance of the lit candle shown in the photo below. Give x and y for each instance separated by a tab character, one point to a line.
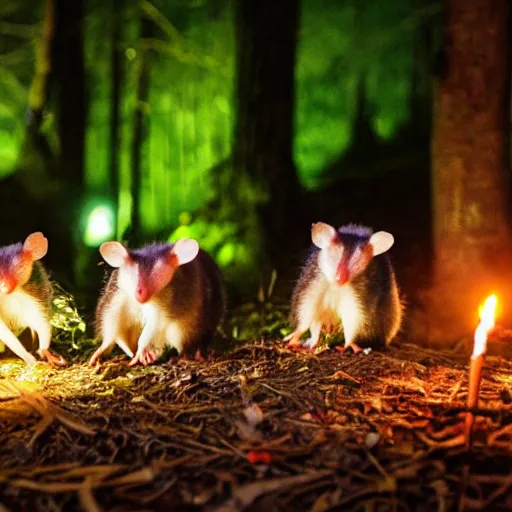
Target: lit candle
477	360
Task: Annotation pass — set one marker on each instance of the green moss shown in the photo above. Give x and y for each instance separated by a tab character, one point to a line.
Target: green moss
70	337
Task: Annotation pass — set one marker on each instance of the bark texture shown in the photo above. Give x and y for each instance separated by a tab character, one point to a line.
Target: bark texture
267	40
472	240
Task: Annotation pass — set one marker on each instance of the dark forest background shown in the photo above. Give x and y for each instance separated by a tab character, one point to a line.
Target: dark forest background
241	123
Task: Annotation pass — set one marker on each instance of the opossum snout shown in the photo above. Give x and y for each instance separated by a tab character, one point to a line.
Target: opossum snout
342	274
142	294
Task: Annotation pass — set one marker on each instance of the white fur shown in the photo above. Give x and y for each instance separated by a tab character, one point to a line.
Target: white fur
156	330
127	279
159	330
335	304
18	311
328	260
134	327
121	325
174	336
349	311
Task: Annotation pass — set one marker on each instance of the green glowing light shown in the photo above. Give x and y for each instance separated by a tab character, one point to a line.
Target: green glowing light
226	254
100	226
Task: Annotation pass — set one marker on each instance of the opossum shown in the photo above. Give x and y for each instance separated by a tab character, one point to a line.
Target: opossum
26	298
160	295
347	281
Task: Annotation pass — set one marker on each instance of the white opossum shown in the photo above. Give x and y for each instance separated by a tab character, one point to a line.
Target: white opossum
26	297
347	279
157	296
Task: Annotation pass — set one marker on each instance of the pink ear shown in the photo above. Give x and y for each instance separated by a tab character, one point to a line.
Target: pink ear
322	234
36	245
185	250
114	253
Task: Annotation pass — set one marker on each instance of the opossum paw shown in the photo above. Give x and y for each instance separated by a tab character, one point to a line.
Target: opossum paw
30	361
293	340
355	348
95	358
197	356
146	357
310	343
52	359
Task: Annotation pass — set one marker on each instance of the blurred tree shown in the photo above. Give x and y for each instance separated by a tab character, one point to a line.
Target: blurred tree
37	159
68	93
70	88
265	100
140	132
35	140
472	239
35	185
117	15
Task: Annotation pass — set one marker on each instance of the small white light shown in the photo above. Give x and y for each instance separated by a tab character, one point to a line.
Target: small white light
100	226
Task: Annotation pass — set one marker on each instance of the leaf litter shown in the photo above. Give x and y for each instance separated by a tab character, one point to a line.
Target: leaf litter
260	427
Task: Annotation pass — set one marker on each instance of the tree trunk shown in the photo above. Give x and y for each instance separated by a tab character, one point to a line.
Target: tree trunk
267	38
37	161
115	105
38	92
420	92
140	135
70	99
472	239
70	75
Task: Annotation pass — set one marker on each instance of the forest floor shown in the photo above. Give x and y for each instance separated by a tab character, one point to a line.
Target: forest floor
259	428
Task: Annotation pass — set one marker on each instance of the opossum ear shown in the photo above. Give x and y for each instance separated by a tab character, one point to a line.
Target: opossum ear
381	242
185	250
322	234
114	253
36	245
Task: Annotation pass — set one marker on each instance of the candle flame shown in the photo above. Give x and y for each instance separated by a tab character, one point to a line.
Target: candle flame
487	312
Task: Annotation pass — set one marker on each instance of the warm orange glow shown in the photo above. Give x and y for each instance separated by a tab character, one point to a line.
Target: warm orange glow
487	312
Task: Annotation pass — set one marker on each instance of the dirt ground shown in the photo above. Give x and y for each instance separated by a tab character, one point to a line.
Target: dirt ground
260	428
